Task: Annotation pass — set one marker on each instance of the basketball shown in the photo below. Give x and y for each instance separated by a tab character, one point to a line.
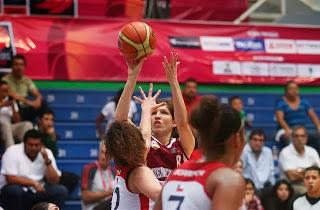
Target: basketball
136	40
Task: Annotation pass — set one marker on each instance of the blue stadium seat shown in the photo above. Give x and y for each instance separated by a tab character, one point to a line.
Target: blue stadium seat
74	166
69	113
72	205
75	130
78	149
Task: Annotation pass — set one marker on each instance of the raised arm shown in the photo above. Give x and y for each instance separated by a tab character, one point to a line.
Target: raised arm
148	104
180	112
123	106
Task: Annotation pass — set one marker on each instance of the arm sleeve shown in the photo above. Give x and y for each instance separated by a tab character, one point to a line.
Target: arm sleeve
107	109
279	105
9	163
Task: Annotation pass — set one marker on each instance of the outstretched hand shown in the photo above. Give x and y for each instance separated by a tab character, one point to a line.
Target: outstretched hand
149	102
134	66
171	66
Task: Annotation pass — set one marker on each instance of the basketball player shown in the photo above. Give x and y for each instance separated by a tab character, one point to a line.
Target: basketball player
209	183
136	187
166	152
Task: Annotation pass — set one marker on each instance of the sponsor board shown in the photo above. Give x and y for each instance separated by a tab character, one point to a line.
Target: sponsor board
255	69
184	42
209	43
226	68
286	46
249	44
309	70
282	70
311	47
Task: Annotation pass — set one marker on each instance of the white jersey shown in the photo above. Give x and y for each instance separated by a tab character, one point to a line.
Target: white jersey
123	199
302	203
185	188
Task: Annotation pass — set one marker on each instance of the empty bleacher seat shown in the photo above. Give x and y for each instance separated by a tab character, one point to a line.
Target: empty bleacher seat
78	149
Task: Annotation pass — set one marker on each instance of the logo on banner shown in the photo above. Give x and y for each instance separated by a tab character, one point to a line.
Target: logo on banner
226	68
286	46
283	70
308	47
185	42
7	49
255	68
249	44
309	70
210	43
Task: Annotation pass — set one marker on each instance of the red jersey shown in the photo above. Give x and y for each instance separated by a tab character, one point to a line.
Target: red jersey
190	105
162	159
185	187
123	198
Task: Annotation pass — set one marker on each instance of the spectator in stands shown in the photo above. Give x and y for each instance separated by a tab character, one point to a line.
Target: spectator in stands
10	122
108	113
45	206
238	167
280	197
292	110
96	184
46	127
49	139
190	94
311	200
236	103
31	175
22	88
252	201
296	157
257	160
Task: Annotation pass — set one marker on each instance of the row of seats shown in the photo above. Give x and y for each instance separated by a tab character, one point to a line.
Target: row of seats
76	110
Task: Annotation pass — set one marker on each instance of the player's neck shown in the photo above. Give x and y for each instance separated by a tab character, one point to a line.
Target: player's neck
164	139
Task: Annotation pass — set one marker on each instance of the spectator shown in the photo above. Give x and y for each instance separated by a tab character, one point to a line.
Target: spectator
311	200
236	103
31	175
238	167
190	94
49	135
296	157
45	206
9	112
252	201
292	110
108	113
257	160
21	88
49	139
96	184
280	197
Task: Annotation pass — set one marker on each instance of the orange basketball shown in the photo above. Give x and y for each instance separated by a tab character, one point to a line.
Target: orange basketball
136	40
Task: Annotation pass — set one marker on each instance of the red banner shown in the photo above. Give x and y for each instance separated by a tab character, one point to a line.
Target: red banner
86	49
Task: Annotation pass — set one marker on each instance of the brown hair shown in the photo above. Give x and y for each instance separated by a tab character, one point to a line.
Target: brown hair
215	123
125	144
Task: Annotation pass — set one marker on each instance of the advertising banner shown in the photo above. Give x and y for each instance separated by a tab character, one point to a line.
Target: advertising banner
7	49
87	49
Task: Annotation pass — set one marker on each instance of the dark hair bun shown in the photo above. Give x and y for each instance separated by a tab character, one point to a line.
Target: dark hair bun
205	113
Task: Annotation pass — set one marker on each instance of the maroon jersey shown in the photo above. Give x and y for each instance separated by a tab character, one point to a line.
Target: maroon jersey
162	159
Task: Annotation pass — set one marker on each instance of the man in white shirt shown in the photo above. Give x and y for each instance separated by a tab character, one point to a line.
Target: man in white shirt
31	175
257	160
311	200
296	157
108	113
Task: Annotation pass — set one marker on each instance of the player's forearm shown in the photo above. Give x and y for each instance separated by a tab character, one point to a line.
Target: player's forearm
180	111
123	106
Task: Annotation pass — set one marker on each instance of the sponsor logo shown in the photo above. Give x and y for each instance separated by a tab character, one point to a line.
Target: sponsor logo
308	47
161	172
247	44
286	46
255	68
188	173
282	70
226	68
209	43
309	70
185	42
270	34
